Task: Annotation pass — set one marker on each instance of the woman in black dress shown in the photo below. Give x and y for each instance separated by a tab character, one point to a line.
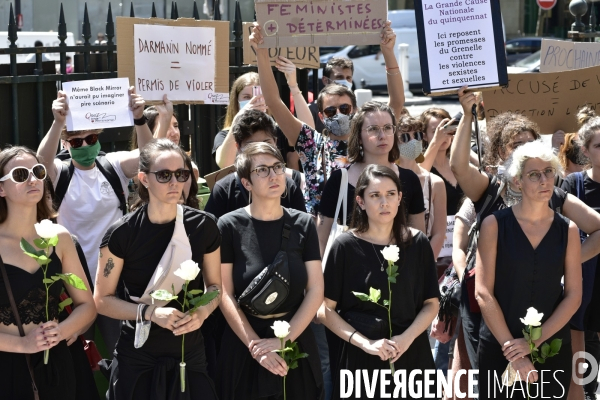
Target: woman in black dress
523	253
356	264
23	204
248	369
130	252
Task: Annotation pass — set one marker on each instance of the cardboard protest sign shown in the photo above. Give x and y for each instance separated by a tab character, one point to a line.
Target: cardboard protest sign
186	59
98	104
302	57
561	55
214	177
293	23
550	99
460	43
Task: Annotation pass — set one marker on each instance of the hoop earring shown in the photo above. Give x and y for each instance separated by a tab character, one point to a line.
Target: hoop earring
285	193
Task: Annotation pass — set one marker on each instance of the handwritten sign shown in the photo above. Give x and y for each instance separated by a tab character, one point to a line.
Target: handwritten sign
460	43
446	250
561	55
98	104
293	23
302	57
550	99
186	59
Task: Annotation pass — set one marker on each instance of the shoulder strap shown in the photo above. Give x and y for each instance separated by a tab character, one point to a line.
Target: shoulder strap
15	311
342	197
580	185
65	173
287	229
106	169
490	199
428	217
241	187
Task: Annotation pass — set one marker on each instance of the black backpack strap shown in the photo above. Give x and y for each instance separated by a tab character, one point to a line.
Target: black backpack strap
106	169
287	229
241	187
65	173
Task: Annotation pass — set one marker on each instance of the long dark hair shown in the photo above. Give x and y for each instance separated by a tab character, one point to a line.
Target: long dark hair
355	140
360	220
43	210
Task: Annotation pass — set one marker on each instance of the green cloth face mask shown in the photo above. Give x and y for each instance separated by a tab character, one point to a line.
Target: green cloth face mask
85	155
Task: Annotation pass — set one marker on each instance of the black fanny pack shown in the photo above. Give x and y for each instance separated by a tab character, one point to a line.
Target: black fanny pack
269	289
368	325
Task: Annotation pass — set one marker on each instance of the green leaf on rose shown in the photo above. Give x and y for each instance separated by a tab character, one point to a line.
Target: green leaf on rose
67	302
374	295
386	303
73	280
545	350
536	333
162	295
361	296
55	278
40	243
47	281
29	249
541	360
555	346
194	292
525	335
204	299
392	279
53	241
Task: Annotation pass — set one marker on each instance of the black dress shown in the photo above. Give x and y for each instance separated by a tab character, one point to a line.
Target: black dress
250	245
152	371
453	194
527	277
54	380
353	265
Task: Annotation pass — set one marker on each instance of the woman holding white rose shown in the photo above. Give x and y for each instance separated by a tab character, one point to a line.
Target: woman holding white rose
523	253
357	263
259	235
160	234
22	206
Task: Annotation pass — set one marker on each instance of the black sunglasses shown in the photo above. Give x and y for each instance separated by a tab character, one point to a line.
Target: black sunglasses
331	111
164	176
405	137
89	139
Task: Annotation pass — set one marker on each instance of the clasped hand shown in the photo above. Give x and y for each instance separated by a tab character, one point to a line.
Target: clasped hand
178	322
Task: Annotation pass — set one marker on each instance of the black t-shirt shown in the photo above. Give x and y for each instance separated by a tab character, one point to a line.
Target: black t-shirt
282	142
591	189
227	196
412	194
141	244
354	265
250	245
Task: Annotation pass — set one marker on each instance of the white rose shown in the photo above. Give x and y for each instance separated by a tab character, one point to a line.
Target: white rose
281	328
46	229
532	318
391	253
188	270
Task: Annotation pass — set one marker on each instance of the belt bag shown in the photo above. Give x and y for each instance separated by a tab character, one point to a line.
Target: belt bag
178	251
269	289
368	325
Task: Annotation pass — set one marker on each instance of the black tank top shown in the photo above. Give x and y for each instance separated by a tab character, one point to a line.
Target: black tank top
526	277
453	194
30	294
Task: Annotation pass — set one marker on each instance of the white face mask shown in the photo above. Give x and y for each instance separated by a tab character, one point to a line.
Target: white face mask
344	82
411	150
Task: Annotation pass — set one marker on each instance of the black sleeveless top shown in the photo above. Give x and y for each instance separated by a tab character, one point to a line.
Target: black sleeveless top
453	194
526	277
30	294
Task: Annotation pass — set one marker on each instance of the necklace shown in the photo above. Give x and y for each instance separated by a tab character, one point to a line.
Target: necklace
375	250
512	197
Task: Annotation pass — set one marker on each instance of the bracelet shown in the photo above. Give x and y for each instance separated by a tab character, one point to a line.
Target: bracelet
350	338
397	73
294	86
144	308
140	121
392	68
152	313
295	93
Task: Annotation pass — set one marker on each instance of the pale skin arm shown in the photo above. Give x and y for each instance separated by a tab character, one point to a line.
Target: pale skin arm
588	221
289	124
395	82
417	221
324	225
460	242
423	320
130	160
49	145
434	145
163	122
471	181
302	111
241	327
438	230
484	293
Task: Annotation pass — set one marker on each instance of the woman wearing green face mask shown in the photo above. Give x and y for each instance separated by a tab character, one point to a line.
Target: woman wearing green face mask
90	184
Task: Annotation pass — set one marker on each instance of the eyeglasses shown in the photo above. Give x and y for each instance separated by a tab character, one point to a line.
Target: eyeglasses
89	139
535	176
405	137
263	171
374	130
331	111
21	174
164	176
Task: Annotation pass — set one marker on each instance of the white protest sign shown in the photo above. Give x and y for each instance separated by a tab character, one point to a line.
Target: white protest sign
175	60
98	104
458	44
448	238
562	55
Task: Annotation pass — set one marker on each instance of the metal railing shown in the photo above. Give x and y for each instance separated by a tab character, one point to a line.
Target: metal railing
27	87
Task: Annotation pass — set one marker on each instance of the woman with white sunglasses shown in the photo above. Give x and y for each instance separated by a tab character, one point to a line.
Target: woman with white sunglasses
23	204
